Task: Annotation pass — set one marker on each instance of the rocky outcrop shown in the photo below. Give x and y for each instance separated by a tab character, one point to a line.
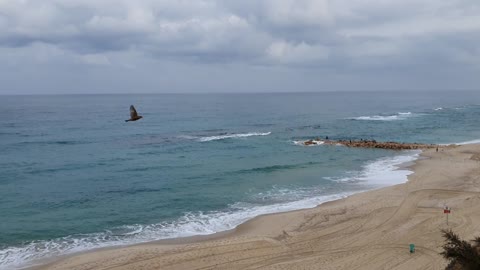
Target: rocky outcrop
373	144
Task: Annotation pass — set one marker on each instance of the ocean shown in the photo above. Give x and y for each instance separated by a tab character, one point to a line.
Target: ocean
74	176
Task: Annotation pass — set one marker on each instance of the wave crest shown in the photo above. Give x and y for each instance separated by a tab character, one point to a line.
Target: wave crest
233	136
392	117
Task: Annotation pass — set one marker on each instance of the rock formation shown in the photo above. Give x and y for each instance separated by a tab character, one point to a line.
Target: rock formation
373	144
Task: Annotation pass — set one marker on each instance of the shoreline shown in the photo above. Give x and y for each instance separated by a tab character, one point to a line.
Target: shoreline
398	166
335	222
186	240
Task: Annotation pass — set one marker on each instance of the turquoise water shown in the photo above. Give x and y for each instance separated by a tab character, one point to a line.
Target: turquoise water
74	176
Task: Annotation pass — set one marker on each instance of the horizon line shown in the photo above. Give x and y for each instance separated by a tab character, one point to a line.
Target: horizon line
237	93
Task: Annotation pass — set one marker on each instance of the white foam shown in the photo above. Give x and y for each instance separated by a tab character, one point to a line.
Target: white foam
187	137
314	143
438	109
393	117
190	224
462	143
387	171
384	171
229	136
469	142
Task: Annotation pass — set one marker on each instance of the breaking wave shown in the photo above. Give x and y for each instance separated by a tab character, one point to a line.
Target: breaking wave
392	117
190	224
232	136
383	171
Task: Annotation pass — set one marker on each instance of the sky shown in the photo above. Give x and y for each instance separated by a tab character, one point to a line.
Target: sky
196	46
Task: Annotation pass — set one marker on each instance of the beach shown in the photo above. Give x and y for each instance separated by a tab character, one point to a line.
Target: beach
369	230
238	134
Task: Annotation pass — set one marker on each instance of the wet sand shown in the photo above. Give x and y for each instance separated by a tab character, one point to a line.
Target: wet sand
370	230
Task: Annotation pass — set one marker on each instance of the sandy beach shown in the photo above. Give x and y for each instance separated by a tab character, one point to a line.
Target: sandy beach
370	230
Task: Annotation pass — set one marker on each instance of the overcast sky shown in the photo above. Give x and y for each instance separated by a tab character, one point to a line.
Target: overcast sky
176	46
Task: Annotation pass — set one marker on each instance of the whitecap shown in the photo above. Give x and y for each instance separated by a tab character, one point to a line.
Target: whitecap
232	136
393	117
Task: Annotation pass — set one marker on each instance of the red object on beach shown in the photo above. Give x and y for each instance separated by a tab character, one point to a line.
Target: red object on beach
446	210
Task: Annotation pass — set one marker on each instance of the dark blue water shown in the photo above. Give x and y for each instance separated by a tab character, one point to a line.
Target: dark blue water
74	176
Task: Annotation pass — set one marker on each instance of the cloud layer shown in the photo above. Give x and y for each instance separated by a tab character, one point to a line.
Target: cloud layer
338	40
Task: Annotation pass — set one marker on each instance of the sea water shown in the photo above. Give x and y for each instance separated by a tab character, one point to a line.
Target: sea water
74	176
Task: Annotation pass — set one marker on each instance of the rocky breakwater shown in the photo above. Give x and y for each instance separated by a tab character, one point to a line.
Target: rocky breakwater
373	144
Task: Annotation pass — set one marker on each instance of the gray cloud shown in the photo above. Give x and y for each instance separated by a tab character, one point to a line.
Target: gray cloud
335	40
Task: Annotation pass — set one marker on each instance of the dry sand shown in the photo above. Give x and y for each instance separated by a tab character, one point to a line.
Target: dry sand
370	230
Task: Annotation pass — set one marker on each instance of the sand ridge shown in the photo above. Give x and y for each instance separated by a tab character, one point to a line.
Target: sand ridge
370	230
